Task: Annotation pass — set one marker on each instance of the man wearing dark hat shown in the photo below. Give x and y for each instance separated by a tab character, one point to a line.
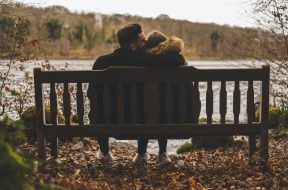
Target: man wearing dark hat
131	53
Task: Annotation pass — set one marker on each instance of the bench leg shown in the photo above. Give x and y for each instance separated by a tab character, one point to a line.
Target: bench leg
41	144
252	145
264	145
54	147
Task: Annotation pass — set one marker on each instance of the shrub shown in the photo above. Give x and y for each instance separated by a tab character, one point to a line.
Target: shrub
13	168
6	121
15	130
29	120
274	115
186	147
284	119
210	142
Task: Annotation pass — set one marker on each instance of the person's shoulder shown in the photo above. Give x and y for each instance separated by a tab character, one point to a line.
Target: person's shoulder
104	57
101	61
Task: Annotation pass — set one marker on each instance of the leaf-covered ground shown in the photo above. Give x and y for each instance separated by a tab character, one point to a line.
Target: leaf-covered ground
222	168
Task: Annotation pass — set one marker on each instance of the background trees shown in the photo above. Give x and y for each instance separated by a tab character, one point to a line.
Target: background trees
88	35
54	29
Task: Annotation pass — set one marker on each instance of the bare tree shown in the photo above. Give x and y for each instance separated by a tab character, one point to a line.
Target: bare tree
14	40
272	19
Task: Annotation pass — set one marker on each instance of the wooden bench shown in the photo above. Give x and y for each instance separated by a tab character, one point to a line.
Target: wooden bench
151	77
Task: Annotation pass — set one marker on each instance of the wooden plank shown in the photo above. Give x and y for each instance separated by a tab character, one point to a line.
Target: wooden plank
80	104
140	87
189	99
120	103
138	74
196	103
113	93
162	101
92	93
53	105
223	102
250	102
183	102
151	105
127	102
169	102
107	102
155	130
53	115
236	102
67	104
209	102
133	103
100	118
176	102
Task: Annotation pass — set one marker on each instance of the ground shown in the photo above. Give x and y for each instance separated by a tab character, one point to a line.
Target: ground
222	168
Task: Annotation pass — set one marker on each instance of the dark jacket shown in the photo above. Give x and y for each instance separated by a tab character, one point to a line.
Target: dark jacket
172	47
163	58
125	57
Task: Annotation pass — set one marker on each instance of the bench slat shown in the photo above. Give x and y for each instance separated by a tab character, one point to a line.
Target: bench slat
169	103
140	88
80	104
189	101
127	102
107	102
100	117
162	87
113	92
209	102
53	118
196	103
250	102
183	101
119	103
151	105
176	95
223	102
236	102
53	105
67	104
93	102
133	103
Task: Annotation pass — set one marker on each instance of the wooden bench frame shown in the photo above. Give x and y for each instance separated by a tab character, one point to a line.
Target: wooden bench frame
151	130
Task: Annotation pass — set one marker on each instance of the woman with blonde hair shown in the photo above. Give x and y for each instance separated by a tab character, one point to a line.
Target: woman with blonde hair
158	43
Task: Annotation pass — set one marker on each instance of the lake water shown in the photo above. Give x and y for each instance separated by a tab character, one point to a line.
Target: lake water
172	144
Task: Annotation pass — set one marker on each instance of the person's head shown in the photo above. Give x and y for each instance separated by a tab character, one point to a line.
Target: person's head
131	37
154	38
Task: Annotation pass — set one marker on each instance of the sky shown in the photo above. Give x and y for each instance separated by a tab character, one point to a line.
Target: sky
230	12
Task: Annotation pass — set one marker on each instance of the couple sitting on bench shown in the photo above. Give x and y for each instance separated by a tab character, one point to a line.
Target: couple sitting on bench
156	50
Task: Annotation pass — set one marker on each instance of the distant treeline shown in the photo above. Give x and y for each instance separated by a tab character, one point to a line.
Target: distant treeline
64	34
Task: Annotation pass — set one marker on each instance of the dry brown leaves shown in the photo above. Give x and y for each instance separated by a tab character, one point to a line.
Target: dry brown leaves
222	168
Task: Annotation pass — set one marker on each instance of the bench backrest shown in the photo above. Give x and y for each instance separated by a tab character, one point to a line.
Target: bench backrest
121	76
